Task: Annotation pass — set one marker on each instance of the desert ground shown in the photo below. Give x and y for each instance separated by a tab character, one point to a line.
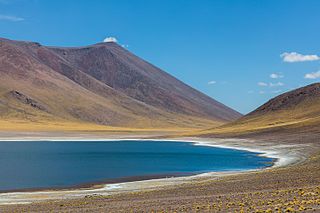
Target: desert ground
291	187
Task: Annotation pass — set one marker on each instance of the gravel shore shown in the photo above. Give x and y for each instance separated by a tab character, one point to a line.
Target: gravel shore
293	184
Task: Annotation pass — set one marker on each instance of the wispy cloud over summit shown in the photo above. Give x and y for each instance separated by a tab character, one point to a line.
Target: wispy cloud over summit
110	39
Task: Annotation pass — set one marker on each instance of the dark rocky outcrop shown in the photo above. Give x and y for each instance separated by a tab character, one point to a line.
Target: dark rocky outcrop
26	100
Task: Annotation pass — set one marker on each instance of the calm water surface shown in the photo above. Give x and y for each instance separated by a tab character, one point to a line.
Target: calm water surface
28	165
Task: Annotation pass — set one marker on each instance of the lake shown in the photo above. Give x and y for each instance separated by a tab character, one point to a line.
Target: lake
34	165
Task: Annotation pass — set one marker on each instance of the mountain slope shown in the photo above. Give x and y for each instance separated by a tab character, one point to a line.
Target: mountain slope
125	72
292	111
40	84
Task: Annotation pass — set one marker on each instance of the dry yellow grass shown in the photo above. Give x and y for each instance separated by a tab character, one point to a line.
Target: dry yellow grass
70	111
305	114
65	126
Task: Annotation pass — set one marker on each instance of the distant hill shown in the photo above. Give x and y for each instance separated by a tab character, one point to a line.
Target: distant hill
295	110
101	84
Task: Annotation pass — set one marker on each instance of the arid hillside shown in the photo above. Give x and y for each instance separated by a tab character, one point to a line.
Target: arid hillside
297	110
101	84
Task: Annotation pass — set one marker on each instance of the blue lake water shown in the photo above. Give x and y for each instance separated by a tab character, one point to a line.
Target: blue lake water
33	165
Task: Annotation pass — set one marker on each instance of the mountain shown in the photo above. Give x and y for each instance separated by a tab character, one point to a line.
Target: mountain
100	84
297	110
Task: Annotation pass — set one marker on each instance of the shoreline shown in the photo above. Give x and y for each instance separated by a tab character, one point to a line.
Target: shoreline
230	143
285	155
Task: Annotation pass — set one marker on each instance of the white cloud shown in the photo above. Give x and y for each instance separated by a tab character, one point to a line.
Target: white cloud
312	75
277	91
276	75
278	84
110	39
10	18
262	92
212	82
297	57
262	84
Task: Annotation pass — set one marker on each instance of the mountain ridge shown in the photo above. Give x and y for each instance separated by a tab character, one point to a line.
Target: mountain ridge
125	94
139	70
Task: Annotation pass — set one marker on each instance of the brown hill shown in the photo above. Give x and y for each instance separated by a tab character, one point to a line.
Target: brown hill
297	110
292	100
101	84
125	72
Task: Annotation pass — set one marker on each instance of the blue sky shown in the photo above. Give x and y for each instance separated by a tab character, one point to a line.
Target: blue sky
241	53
